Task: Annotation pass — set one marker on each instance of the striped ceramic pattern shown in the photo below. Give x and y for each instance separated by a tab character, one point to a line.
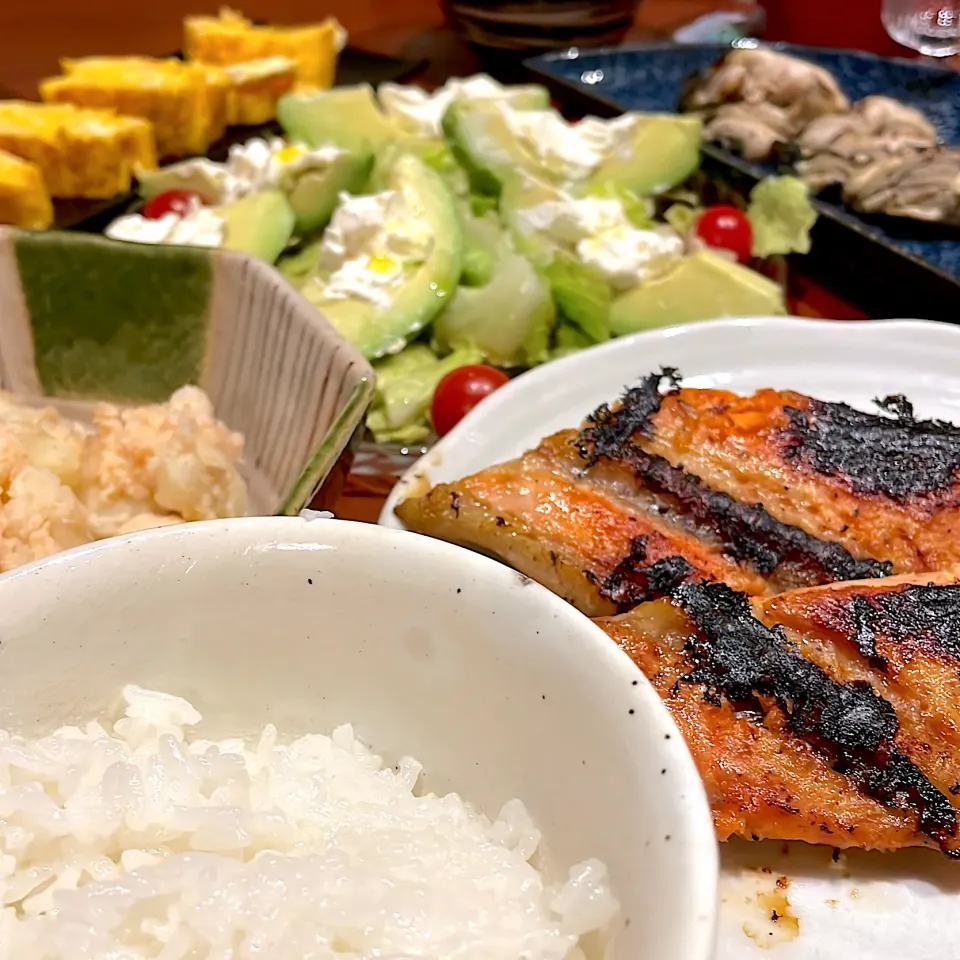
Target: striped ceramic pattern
283	381
146	320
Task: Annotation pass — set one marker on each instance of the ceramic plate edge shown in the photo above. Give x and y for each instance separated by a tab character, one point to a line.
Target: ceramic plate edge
420	470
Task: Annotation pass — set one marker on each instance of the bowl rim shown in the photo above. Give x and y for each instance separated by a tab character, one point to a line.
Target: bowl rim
284	533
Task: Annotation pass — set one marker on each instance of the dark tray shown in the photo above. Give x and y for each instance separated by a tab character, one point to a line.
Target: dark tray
888	267
354	66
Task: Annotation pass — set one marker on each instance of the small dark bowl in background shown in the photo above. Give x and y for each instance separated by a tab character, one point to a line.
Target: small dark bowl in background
535	26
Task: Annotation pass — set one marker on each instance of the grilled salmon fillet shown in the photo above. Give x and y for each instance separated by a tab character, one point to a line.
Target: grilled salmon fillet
593	544
902	637
607	525
884	484
796	732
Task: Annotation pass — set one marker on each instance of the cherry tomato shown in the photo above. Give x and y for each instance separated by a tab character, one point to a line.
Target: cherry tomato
180	202
460	391
726	228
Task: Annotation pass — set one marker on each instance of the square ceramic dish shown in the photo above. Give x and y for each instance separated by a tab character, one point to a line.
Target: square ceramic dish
887	266
84	319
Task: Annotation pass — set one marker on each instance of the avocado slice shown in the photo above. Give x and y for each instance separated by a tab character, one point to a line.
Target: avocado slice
663	150
393	97
582	297
485	146
660	151
347	117
380	330
702	286
299	264
314	194
259	223
519	193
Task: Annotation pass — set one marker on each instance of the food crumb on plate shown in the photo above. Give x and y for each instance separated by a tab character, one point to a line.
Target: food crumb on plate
760	901
414	485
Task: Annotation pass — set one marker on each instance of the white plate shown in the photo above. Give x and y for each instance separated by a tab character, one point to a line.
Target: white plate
876	906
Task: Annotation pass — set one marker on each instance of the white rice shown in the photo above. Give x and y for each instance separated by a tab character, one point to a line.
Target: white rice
133	839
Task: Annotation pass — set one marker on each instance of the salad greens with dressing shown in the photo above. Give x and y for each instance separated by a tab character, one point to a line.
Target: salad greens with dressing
491	230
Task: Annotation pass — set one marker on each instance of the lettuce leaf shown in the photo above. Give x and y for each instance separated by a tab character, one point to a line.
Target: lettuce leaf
510	319
405	386
781	215
682	217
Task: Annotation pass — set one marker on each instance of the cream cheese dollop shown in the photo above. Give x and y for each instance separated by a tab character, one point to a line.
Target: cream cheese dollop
369	245
421	113
598	231
570	151
201	227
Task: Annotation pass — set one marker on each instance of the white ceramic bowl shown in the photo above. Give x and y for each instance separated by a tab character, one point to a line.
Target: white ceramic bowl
500	688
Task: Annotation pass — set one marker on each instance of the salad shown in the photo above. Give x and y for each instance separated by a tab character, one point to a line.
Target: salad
474	227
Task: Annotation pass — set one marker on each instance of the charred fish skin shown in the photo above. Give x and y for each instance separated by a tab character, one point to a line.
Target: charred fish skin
883	485
916	618
607	430
897	456
762	781
902	637
634	580
590	547
749	534
890	625
740	660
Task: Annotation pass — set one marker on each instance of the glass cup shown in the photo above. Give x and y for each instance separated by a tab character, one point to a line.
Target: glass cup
930	26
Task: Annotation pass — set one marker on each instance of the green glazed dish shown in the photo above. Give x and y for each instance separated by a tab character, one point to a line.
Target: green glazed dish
85	319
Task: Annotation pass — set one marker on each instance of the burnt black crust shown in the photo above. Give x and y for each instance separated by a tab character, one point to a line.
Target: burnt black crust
863	634
637	407
747	532
633	581
915	617
895	455
740	660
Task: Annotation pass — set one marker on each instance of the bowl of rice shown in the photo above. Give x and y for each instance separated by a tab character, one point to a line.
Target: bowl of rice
281	738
